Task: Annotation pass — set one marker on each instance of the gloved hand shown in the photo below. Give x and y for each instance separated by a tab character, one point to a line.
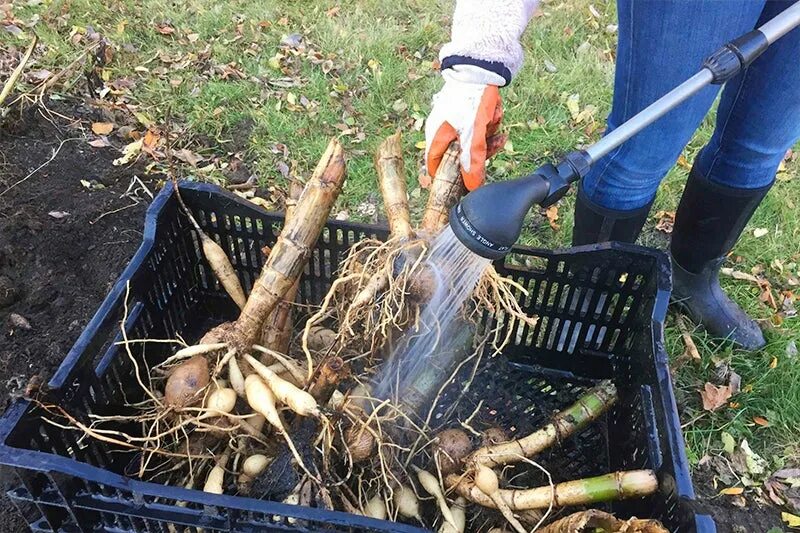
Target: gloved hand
468	109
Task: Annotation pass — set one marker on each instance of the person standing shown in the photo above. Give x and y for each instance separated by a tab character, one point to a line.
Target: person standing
661	44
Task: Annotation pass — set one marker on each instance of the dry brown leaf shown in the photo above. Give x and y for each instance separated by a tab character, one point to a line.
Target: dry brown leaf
737	274
690	348
150	139
714	397
552	215
102	128
187	156
165	28
666	221
100	142
684	163
761	421
424	179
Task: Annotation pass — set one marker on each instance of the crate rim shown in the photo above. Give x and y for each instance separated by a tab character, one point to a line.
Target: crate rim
42	461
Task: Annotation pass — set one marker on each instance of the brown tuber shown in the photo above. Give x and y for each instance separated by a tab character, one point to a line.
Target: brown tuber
186	381
360	442
452	446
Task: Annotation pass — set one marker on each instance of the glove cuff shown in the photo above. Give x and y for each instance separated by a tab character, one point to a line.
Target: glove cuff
496	73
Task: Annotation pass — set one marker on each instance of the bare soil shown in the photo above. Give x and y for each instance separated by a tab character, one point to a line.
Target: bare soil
61	248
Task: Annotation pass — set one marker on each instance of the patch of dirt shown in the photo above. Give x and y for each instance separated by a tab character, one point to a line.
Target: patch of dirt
61	248
730	518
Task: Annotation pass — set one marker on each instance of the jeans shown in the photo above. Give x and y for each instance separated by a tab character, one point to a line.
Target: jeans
661	44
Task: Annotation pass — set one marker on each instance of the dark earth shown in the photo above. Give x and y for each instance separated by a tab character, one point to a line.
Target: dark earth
56	270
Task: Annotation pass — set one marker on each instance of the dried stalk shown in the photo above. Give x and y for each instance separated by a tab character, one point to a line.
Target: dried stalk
392	180
446	189
294	245
12	80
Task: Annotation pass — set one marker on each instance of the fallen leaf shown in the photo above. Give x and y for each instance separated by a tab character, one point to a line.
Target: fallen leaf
424	180
293	40
755	463
39	75
58	215
283	168
332	12
761	421
92	185
261	203
399	106
790	519
187	156
593	11
791	349
342	215
690	350
568	32
13	29
760	232
19	321
773	364
732	491
734	382
193	37
684	163
714	397
728	443
102	128
552	215
737	274
549	66
573	105
129	152
586	114
150	139
100	142
165	28
666	221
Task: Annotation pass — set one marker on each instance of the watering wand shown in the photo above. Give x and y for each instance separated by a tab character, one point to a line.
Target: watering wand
489	220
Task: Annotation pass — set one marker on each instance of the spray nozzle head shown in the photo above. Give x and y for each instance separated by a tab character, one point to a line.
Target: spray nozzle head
489	220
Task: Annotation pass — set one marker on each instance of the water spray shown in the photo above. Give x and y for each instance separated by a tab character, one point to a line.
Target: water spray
488	221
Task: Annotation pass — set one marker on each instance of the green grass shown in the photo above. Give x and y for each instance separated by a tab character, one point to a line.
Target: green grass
372	74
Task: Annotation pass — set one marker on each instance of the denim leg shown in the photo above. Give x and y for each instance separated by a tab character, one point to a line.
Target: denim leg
758	117
661	44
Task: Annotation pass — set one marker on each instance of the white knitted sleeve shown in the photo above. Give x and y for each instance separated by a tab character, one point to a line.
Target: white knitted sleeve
490	30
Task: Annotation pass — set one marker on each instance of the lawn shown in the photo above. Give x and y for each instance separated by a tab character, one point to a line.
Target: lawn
266	85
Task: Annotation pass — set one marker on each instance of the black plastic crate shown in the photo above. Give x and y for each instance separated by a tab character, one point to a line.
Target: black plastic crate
601	312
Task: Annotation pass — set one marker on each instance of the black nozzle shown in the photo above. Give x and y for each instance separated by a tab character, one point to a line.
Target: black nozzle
489	220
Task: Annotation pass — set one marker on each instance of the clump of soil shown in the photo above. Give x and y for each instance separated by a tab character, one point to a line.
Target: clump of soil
61	248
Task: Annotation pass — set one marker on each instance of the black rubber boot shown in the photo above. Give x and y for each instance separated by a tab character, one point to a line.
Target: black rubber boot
708	222
594	223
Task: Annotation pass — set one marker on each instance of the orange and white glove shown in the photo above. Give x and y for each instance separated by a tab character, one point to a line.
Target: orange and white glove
483	54
470	113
